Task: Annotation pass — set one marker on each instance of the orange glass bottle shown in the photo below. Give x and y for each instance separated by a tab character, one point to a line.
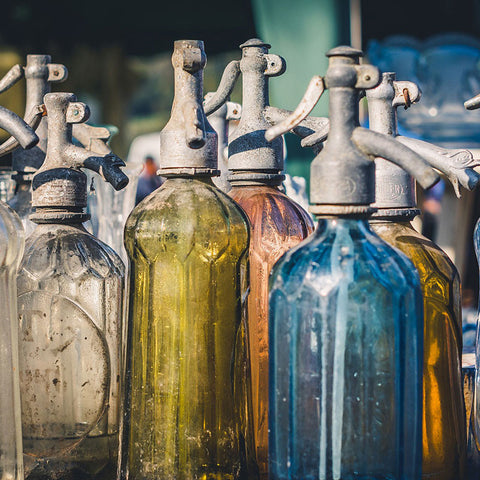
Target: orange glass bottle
277	222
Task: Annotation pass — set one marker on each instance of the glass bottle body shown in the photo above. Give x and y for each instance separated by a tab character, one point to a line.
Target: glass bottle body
70	302
11	249
346	325
188	412
443	425
277	225
21	202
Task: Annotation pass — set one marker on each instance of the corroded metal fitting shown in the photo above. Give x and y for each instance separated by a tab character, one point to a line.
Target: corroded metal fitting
39	74
59	186
395	188
188	143
250	156
343	173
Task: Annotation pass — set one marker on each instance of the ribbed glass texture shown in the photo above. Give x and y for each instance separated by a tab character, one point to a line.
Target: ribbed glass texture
277	224
70	298
346	337
476	396
11	249
21	202
188	408
443	432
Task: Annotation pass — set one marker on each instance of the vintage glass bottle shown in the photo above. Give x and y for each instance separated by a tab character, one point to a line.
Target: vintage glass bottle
188	406
277	222
70	299
443	425
346	329
11	250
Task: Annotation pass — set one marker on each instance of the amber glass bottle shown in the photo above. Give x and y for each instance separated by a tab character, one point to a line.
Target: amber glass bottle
277	225
443	418
188	406
277	222
443	424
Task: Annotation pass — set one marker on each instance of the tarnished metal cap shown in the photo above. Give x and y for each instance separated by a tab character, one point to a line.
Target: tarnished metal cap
188	143
395	189
251	158
39	73
59	187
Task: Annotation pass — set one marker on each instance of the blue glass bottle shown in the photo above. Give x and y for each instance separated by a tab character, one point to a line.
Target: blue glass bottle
346	317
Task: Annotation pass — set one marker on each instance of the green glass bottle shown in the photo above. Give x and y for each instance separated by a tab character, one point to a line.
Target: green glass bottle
188	406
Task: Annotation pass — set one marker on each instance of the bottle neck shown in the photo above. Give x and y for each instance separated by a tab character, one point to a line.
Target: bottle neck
343	107
254	96
188	89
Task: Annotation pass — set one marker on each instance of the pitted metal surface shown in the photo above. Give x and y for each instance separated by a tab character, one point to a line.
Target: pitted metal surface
248	150
219	120
39	74
188	143
59	187
395	187
343	173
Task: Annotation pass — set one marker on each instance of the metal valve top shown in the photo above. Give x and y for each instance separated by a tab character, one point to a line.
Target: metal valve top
59	186
39	73
188	143
395	188
251	158
343	173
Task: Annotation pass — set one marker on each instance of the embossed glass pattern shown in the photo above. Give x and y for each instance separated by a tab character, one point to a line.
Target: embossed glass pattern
346	325
70	298
277	224
188	412
11	249
443	426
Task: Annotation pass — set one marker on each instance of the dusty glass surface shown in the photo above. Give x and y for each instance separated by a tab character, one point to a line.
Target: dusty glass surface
443	432
70	298
11	249
277	224
346	337
188	411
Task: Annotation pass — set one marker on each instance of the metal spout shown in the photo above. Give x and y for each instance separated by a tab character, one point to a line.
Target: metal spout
343	174
59	187
188	143
39	74
16	127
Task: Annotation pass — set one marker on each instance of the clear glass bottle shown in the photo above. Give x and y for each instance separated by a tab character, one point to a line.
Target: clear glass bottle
443	424
277	222
11	250
70	299
188	405
346	316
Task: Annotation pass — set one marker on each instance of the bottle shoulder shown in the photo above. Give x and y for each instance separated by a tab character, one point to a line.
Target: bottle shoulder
187	215
12	237
334	255
55	249
427	257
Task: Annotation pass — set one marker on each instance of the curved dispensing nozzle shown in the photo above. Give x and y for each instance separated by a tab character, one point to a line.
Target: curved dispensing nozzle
312	130
375	144
217	99
15	74
17	127
473	103
63	110
457	165
314	91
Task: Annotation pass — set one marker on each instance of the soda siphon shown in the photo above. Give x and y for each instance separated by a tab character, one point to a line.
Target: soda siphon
188	401
443	431
70	299
11	249
39	73
277	223
346	316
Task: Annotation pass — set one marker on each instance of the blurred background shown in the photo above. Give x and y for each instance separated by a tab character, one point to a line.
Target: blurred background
118	57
